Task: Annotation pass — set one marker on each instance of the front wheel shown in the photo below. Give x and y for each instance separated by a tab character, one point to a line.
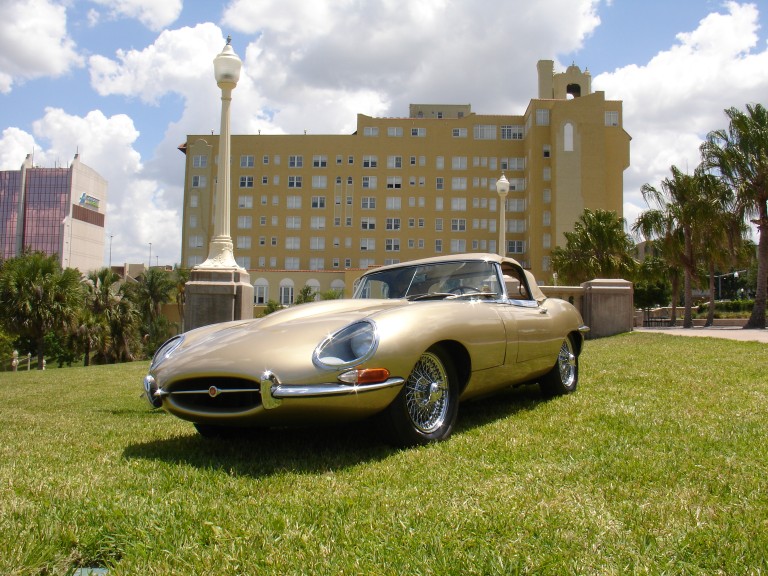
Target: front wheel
564	376
425	409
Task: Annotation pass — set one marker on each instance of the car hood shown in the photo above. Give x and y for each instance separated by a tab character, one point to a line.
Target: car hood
281	342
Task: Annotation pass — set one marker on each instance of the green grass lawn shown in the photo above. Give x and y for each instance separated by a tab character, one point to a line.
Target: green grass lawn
658	464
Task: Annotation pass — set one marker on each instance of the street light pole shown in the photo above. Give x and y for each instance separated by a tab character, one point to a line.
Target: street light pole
226	68
502	188
219	290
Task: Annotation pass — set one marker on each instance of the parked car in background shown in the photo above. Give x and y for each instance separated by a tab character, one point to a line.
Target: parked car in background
415	340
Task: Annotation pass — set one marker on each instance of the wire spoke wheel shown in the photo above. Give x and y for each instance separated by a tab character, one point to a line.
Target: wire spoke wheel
426	408
426	394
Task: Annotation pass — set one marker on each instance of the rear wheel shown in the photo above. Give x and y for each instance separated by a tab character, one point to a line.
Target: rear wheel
425	409
564	376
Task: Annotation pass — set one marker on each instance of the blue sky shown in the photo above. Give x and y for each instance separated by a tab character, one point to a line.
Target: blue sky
124	81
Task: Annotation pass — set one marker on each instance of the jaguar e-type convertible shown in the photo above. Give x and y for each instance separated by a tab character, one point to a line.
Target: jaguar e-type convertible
414	340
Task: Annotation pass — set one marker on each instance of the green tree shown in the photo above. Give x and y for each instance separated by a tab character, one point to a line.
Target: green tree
678	208
305	295
37	297
153	290
740	154
598	247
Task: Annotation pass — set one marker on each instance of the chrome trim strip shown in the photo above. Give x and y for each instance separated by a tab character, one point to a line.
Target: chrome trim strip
584	328
330	389
206	393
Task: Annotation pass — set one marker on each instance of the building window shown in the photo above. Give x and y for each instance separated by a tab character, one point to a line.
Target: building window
368	223
293	202
245	202
319	161
318	201
568	137
395	131
199	181
294	181
392	245
317	243
459	163
438	246
484	132
394	182
295	161
195	241
547	151
260	293
244	222
516	225
542	117
459	204
317	223
265	159
370	161
458	245
546	218
546	241
320	182
370	182
199	161
418	132
286	290
438	224
393	223
247	161
394	161
516	247
546	196
367	244
611	118
293	222
459	183
293	243
368	203
439	183
193	220
193	201
459	132
370	131
512	132
246	181
458	225
394	203
243	261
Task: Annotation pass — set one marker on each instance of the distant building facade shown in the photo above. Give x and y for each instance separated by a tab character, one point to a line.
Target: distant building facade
313	209
56	211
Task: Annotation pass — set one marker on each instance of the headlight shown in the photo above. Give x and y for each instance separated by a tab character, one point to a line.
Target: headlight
349	346
165	350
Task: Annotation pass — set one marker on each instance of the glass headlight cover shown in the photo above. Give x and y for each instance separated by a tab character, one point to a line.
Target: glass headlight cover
349	346
165	350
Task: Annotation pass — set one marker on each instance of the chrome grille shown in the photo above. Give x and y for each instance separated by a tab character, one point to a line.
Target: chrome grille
216	395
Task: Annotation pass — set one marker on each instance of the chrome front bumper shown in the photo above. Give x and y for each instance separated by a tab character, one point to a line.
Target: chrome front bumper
272	391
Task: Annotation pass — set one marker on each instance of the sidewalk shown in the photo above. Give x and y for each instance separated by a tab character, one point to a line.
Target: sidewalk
728	332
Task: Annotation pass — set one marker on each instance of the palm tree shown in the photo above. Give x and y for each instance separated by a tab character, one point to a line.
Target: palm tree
37	297
102	295
740	155
153	290
721	235
680	206
598	247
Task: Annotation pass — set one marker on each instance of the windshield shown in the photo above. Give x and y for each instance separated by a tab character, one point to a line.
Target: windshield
461	279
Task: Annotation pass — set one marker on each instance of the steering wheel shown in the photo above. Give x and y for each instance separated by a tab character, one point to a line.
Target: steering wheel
464	290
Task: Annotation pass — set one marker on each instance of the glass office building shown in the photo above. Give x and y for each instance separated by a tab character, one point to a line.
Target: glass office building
56	211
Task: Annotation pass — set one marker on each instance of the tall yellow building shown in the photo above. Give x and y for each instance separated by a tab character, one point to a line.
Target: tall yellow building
315	209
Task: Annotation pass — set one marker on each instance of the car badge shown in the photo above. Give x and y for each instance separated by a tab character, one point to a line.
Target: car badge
213	391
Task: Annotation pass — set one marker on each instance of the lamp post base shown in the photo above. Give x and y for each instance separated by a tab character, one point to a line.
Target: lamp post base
217	295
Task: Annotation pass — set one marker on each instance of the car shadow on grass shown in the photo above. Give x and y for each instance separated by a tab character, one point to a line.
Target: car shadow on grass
317	449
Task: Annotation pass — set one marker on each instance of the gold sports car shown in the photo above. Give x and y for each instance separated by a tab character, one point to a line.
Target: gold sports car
415	339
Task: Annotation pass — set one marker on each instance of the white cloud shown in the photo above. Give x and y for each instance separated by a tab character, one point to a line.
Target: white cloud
674	100
153	14
34	42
